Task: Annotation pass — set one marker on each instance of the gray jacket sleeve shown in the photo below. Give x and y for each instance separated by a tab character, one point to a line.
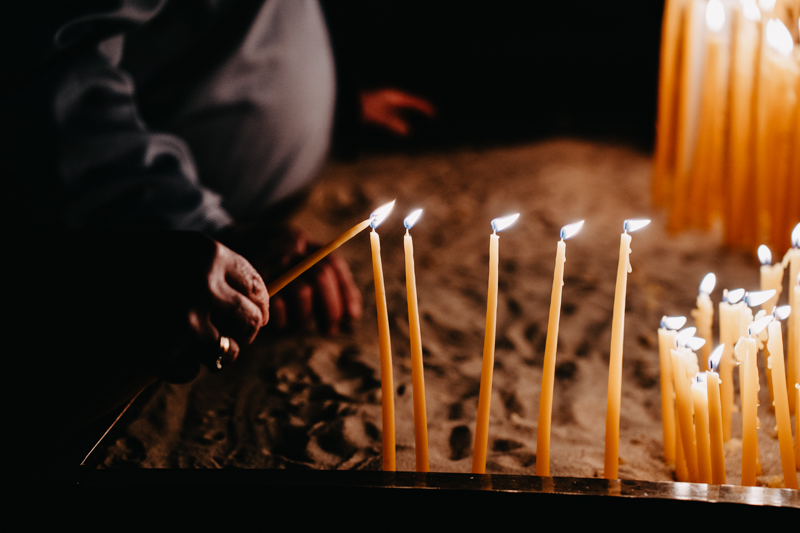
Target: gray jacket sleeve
80	154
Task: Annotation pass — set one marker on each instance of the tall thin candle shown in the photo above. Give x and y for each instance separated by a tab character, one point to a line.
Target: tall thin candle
611	459
666	342
417	374
718	476
550	348
487	369
704	315
781	404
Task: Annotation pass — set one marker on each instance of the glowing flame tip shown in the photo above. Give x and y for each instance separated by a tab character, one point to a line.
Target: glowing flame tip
715	357
499	224
779	37
753	299
764	255
733	296
715	15
796	234
708	283
632	225
758	326
380	214
570	230
782	312
412	218
673	322
750	10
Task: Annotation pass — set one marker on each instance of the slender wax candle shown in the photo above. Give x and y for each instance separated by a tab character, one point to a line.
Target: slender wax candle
700	402
729	332
551	344
715	419
792	260
745	351
487	369
666	342
611	461
417	375
387	385
781	404
704	316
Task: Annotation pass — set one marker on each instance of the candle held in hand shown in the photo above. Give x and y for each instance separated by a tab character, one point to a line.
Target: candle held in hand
417	374
550	348
487	369
611	458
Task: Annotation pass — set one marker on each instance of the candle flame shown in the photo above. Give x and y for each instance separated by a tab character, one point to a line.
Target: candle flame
796	230
750	10
700	377
708	283
733	296
764	255
570	230
782	312
684	335
412	218
629	226
766	5
753	299
758	326
715	15
673	322
715	357
380	214
779	37
694	343
499	224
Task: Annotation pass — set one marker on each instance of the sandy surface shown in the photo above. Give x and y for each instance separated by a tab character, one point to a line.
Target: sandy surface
304	400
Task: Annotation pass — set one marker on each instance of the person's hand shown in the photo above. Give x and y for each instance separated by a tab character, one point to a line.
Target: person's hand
325	295
387	108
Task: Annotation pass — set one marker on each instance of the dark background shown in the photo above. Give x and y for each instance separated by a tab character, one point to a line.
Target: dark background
502	71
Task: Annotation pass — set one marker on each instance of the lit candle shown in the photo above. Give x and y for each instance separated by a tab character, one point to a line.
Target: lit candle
781	401
729	332
771	277
611	462
704	315
485	398
550	347
387	385
752	299
681	359
715	419
745	50
417	375
316	257
700	402
666	342
792	260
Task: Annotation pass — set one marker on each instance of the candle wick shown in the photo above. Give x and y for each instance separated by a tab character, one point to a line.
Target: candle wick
407	232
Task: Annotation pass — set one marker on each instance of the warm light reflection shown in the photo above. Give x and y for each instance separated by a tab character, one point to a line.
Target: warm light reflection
380	214
412	218
764	255
673	322
570	230
632	225
754	299
715	357
499	224
708	283
779	37
715	15
750	10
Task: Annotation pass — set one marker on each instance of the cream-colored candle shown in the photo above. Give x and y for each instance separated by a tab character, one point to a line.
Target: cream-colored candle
550	348
685	408
718	476
771	277
417	373
746	353
319	255
740	189
781	404
666	342
792	261
681	472
704	316
729	333
611	461
672	36
701	426
797	426
387	384
487	369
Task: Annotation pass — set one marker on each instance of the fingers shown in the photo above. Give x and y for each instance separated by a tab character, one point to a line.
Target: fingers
407	101
241	276
330	307
210	348
353	303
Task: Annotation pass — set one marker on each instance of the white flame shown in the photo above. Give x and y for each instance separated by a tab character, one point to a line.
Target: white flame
700	377
756	327
753	299
673	322
629	226
412	218
715	15
734	296
714	358
695	343
779	37
782	312
684	335
708	283
766	5
499	224
380	214
750	10
570	230
764	255
796	230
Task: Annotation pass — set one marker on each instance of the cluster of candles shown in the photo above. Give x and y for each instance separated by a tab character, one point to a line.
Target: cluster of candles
697	401
728	131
